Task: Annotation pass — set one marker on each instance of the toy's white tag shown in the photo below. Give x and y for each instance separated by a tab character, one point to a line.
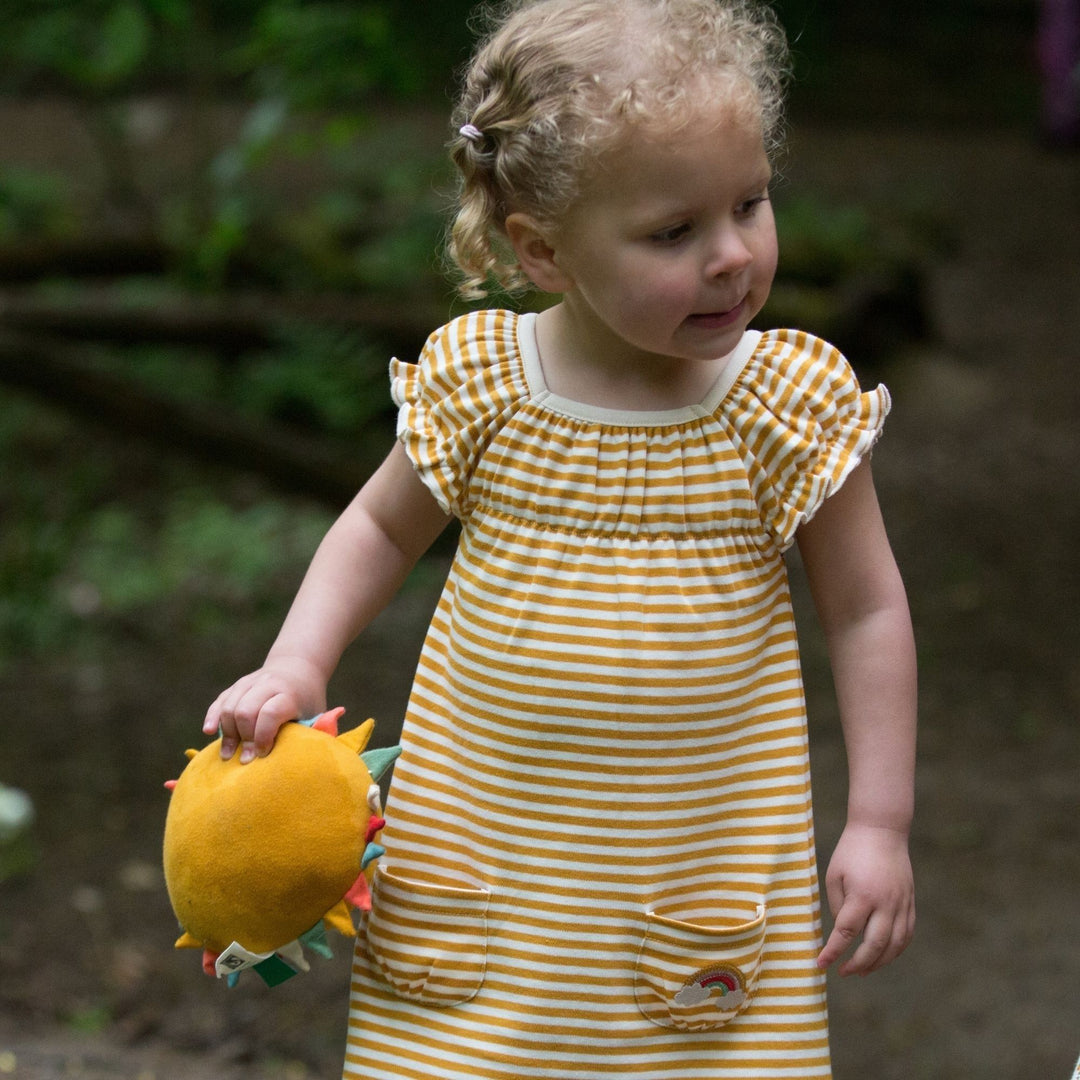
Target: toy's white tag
236	959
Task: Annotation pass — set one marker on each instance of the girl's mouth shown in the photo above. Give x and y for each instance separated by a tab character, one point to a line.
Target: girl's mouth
717	320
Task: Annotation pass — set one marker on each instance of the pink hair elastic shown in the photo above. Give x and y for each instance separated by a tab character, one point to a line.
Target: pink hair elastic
471	132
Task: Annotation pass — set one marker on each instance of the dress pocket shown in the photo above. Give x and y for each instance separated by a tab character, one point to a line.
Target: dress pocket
695	977
428	941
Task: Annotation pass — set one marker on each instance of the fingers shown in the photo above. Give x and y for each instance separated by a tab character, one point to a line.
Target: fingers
840	940
248	716
884	939
885	932
279	710
221	717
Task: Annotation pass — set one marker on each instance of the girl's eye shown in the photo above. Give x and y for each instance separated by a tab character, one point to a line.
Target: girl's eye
671	235
748	208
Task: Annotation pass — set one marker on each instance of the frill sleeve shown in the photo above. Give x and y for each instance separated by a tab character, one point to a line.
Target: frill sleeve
804	424
455	398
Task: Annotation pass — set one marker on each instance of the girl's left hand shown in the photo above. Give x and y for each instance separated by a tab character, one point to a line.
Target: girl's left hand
871	894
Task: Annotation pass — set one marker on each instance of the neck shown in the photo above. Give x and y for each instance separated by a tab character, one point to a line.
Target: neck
585	362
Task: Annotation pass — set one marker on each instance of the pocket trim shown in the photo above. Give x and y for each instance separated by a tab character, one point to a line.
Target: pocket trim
686	972
428	941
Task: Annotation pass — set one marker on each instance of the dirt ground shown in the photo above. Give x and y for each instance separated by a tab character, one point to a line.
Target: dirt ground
979	473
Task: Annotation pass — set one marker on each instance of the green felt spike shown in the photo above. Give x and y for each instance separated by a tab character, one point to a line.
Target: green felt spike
378	761
315	939
273	971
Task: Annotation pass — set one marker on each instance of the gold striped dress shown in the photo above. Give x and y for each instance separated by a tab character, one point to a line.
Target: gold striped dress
600	850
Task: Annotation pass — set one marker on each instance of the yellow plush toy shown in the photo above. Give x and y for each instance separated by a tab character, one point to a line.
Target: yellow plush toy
259	857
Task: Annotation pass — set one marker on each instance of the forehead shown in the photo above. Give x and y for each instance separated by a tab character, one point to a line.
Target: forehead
716	146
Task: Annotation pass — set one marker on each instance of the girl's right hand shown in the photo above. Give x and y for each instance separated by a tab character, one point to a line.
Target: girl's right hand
252	710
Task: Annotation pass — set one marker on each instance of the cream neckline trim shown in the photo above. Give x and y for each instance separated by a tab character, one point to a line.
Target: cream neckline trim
579	410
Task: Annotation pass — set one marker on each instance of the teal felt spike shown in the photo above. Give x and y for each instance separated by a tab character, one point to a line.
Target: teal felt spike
232	979
273	970
371	852
378	761
315	939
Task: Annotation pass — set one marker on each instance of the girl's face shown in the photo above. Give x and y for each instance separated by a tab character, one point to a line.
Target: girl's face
671	250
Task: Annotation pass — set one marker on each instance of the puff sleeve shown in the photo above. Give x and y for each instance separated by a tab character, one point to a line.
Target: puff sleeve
453	401
803	424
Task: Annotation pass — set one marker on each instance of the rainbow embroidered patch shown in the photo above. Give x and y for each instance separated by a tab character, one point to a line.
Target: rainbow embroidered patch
722	982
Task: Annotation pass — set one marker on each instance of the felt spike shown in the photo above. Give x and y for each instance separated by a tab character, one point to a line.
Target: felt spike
315	940
328	721
232	979
357	739
170	784
186	941
373	826
189	753
339	919
274	971
209	963
359	895
378	761
293	955
371	852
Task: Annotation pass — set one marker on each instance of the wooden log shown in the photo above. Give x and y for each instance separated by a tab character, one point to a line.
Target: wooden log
95	316
105	255
291	461
228	325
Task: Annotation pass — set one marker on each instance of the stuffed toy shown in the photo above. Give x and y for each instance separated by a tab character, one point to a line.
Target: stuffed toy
261	858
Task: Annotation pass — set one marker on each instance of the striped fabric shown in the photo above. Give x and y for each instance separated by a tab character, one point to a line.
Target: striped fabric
600	844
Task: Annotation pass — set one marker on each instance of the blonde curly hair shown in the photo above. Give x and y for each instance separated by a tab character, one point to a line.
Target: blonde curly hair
556	83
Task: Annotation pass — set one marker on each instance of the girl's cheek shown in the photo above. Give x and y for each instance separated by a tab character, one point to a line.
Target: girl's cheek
663	288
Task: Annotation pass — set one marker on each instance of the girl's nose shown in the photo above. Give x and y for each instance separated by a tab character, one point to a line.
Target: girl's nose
729	253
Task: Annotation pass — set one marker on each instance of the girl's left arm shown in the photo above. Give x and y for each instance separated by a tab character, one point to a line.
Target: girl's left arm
863	609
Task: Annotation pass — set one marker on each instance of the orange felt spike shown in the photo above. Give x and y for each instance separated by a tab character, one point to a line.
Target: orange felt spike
209	960
359	895
328	721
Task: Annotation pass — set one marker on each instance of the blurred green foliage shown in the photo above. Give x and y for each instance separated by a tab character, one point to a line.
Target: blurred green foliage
311	75
94	46
313	376
33	203
102	538
318	55
315	51
824	243
318	376
99	543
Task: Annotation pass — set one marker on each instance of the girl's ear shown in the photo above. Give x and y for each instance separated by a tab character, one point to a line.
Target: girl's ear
535	254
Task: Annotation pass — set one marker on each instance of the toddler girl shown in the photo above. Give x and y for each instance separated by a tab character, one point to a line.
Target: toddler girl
600	844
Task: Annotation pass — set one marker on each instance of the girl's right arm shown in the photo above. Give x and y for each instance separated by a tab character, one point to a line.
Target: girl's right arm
359	566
